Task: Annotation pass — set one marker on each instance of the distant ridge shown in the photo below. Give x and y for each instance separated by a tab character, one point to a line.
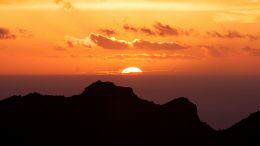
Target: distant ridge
106	114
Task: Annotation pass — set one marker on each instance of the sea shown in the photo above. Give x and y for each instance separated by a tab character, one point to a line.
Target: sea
222	100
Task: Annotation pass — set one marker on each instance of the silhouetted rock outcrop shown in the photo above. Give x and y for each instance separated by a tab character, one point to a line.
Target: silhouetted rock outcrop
245	132
106	114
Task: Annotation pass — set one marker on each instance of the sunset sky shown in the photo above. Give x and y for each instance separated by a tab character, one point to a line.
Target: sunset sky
106	36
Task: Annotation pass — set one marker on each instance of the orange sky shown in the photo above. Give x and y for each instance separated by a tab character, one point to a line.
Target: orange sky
106	36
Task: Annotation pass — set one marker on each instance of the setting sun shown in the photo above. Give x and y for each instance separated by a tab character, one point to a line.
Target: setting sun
77	63
131	70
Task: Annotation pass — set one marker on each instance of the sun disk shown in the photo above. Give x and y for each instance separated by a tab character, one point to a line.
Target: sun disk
131	70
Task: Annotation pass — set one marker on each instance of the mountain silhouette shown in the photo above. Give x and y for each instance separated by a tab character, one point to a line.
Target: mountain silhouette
106	114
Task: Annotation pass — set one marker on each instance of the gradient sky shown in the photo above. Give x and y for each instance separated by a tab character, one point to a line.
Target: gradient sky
106	36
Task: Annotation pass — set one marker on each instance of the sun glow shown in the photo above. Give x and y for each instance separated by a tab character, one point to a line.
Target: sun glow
129	70
117	5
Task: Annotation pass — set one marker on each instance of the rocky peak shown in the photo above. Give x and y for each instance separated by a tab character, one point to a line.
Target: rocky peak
100	88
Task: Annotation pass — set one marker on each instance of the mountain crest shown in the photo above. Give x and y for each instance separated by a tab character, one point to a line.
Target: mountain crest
100	88
99	84
106	114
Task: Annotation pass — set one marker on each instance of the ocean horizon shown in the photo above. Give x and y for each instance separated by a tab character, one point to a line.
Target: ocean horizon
221	100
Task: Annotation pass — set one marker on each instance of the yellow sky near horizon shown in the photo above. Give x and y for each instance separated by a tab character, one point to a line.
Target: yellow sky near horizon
104	37
171	5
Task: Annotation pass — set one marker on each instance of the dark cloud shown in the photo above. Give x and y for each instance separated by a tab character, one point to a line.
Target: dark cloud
130	28
113	43
223	51
6	34
70	43
116	44
228	34
231	34
165	29
251	51
253	37
142	30
147	31
108	42
158	29
108	32
15	33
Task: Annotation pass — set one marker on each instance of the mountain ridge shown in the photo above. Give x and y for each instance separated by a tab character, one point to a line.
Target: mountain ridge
107	114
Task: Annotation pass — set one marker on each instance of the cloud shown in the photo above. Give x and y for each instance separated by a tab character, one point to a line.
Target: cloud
130	28
231	34
147	31
109	42
72	41
63	56
142	30
216	50
228	34
6	34
65	4
150	56
223	51
108	32
15	33
143	44
116	44
253	37
59	48
165	29
82	56
113	43
158	29
23	33
251	51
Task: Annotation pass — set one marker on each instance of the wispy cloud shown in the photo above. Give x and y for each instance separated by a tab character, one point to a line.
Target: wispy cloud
72	41
217	50
109	42
141	30
159	29
144	44
113	43
165	29
151	56
6	34
128	27
59	48
108	32
231	34
251	51
65	4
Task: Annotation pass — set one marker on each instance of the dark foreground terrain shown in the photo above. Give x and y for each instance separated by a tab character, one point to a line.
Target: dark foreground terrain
106	114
